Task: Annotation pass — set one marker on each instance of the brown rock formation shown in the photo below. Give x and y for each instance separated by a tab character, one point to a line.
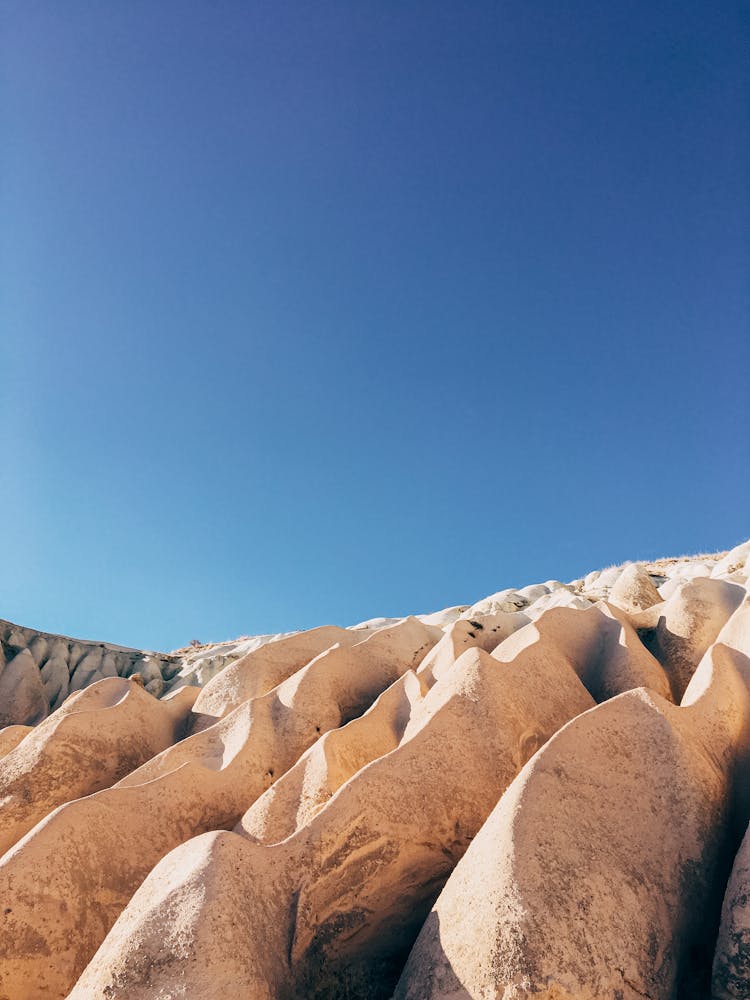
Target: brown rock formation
203	783
541	794
336	901
590	878
96	737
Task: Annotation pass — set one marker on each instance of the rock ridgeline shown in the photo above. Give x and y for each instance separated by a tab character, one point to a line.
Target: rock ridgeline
545	794
39	670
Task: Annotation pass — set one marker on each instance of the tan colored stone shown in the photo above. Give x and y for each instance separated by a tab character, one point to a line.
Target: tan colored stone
634	590
483	632
11	736
22	697
96	737
259	671
731	969
680	630
295	845
591	876
334	903
203	783
598	643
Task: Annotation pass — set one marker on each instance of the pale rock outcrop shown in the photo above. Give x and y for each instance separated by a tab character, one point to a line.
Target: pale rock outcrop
292	801
695	569
485	632
682	573
443	618
533	592
96	737
507	601
263	668
23	700
66	665
735	633
87	670
731	970
591	877
293	845
678	631
589	580
39	649
203	783
634	590
597	586
340	753
599	644
373	623
734	562
557	599
331	906
11	736
203	662
56	680
669	587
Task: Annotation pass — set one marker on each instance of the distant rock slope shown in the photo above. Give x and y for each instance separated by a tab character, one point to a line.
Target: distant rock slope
544	794
39	670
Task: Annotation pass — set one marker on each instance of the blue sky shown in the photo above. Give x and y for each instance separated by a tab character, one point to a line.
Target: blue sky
318	311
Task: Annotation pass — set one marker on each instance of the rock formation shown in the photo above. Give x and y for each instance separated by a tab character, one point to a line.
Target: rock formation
592	875
541	794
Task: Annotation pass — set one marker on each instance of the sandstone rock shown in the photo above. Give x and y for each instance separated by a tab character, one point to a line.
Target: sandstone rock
11	736
634	589
297	842
669	587
155	687
87	671
22	697
591	876
731	971
299	794
108	666
39	649
170	669
334	903
533	592
485	632
734	560
679	631
265	667
597	586
57	646
205	782
69	754
506	601
691	570
590	579
373	623
17	639
598	643
198	665
557	599
76	653
56	679
150	670
443	618
81	679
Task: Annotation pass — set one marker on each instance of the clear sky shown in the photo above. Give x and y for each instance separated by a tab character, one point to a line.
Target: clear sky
318	311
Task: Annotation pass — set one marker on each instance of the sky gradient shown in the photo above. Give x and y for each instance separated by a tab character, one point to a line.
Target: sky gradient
311	312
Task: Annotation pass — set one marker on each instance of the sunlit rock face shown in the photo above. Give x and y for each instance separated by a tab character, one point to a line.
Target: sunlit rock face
542	794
